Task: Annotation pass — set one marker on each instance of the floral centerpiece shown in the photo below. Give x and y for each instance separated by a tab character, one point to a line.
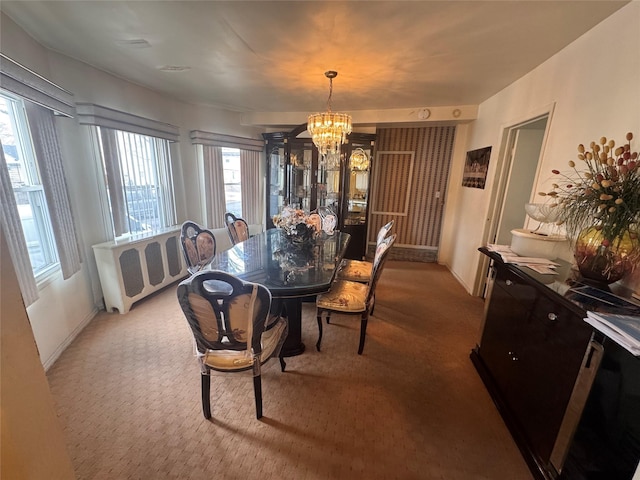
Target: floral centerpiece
600	208
295	224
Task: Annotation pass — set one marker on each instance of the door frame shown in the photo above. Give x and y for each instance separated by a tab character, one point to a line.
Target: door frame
499	186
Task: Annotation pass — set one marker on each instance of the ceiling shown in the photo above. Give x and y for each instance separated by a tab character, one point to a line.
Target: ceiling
270	56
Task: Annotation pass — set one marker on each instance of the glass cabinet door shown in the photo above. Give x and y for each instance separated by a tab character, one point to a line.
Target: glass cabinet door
357	191
276	162
300	175
356	184
328	183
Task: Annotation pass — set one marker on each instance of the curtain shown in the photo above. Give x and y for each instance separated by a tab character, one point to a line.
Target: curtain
250	186
214	186
165	177
47	149
114	181
10	221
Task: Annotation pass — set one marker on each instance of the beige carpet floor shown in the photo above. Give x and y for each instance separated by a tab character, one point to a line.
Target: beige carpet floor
127	391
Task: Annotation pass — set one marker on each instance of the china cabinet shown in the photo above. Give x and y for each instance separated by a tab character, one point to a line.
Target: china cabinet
300	177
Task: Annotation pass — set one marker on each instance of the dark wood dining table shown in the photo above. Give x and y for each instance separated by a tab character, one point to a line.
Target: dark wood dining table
290	271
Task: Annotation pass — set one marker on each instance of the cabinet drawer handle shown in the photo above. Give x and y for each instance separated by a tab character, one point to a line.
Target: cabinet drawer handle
552	316
508	282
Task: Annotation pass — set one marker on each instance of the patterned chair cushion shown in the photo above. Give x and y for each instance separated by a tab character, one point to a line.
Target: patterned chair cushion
229	360
238	360
344	296
355	270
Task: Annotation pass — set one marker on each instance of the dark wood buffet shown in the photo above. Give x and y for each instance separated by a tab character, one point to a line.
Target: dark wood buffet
550	374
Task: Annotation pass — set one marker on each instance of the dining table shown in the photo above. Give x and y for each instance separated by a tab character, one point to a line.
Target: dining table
292	271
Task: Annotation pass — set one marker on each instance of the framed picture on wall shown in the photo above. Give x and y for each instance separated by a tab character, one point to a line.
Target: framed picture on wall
476	167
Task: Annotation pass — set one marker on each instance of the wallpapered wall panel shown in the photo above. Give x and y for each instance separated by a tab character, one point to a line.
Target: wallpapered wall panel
399	166
433	147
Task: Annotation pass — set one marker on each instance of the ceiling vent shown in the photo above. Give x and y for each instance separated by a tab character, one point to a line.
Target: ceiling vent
174	68
134	43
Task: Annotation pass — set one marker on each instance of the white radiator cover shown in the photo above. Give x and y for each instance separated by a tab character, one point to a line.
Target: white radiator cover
133	268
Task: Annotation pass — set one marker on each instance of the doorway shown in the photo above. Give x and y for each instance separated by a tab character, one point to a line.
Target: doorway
524	146
520	152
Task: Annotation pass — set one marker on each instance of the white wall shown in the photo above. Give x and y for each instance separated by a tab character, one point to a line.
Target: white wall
595	86
64	307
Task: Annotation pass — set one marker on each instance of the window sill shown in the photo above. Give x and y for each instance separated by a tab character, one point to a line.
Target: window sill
48	275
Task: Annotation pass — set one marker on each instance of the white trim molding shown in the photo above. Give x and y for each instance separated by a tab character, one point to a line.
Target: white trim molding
404	210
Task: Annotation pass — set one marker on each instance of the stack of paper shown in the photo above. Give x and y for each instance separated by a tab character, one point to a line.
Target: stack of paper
540	265
623	329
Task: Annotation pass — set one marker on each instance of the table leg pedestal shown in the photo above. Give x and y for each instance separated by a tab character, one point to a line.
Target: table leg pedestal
293	311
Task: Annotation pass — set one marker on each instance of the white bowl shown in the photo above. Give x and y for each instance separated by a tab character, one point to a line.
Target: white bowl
542	212
528	244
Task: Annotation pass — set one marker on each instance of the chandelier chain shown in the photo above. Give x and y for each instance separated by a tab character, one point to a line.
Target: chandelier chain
330	93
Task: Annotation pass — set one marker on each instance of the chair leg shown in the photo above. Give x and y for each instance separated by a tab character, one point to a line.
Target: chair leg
283	364
206	402
319	318
373	303
363	332
257	390
328	317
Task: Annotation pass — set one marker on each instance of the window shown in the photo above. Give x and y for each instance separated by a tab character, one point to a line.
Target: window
232	180
23	171
139	181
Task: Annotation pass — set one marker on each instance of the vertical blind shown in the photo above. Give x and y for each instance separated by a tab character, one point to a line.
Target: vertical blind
10	220
45	143
136	160
215	205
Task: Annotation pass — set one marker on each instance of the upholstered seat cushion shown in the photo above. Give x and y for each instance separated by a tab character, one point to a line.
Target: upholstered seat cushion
344	296
228	360
355	270
231	360
270	338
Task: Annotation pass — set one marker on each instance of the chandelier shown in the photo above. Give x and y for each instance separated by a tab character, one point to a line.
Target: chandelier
329	130
359	160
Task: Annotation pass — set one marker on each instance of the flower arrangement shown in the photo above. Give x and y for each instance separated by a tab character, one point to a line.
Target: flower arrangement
601	199
294	222
605	195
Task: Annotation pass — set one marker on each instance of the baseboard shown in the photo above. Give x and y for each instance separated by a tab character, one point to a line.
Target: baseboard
416	253
62	347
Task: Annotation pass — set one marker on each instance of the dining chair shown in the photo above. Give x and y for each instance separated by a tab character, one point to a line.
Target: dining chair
198	246
329	219
354	298
237	228
232	329
360	270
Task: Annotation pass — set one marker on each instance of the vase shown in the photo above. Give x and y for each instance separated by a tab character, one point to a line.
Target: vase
605	262
299	236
